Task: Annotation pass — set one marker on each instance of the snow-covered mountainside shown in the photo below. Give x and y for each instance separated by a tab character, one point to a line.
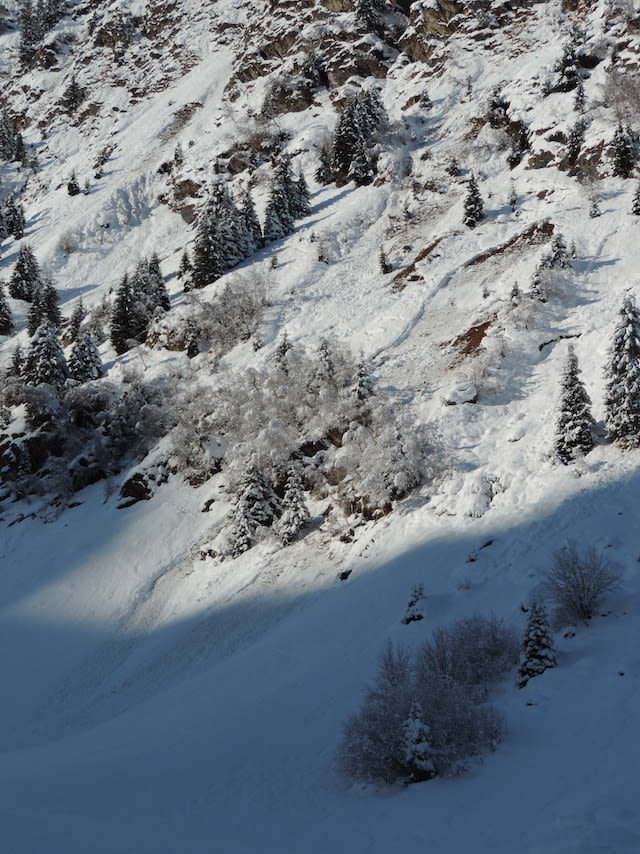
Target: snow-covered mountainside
310	310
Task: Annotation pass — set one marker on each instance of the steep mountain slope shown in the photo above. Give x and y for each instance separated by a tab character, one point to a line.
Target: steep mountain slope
161	695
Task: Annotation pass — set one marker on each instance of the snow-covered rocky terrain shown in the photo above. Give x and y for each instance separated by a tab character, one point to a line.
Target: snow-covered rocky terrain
169	686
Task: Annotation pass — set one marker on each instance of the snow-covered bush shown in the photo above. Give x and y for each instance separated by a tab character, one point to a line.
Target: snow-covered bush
577	582
475	651
416	723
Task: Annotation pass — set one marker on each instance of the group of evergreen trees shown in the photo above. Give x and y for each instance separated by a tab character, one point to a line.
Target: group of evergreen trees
12	219
228	234
11	142
34	21
257	505
137	299
575	430
349	155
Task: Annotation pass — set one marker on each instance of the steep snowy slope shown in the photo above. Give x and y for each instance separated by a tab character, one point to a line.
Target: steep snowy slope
159	698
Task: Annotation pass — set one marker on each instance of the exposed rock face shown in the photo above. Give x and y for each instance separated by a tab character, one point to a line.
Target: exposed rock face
428	25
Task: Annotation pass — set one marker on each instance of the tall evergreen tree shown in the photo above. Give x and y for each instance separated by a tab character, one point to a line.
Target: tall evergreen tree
255	504
75	321
538	648
299	201
26	277
295	512
622	374
185	266
635	204
624	152
124	318
278	221
473	204
45	362
575	426
251	223
209	258
345	137
29	32
84	360
362	167
7	325
575	140
14	219
44	305
363	387
324	173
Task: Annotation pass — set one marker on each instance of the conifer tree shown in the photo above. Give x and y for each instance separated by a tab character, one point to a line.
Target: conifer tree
362	167
624	152
538	648
13	218
575	426
17	363
473	204
418	751
635	204
75	321
209	259
324	173
558	257
299	201
185	265
124	318
622	375
255	504
325	370
84	360
7	325
345	137
73	96
73	188
576	140
251	223
45	362
363	387
29	34
26	277
44	305
295	512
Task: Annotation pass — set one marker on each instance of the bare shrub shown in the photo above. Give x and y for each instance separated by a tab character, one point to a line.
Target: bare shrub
427	716
475	650
577	582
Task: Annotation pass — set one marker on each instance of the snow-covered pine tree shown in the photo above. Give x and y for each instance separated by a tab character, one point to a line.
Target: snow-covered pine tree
75	321
7	324
251	223
362	167
575	140
73	96
558	257
26	277
635	203
184	268
567	68
73	187
415	610
17	364
345	137
209	253
44	304
45	362
538	647
324	173
84	360
13	218
579	98
295	512
473	204
362	388
575	426
255	504
419	754
299	201
278	222
624	152
282	348
29	34
152	284
325	369
124	324
622	376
